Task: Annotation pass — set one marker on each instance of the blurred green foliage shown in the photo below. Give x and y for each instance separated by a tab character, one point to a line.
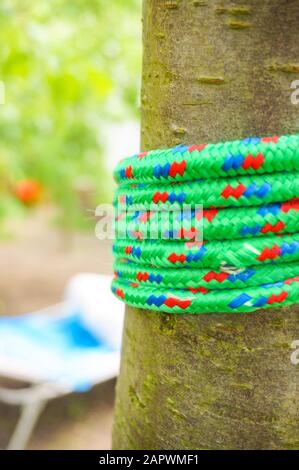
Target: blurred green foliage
68	67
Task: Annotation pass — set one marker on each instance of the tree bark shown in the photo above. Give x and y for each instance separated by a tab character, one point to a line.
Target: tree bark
213	70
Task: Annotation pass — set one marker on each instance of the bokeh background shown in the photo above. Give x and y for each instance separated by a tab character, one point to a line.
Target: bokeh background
70	73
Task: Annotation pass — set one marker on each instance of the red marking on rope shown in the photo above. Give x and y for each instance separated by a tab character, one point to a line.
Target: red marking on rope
145	216
138	235
177	168
173	302
292	280
142	155
199	147
128	250
134	284
209	214
293	204
253	162
191	234
129	172
120	216
201	289
273	228
277	298
270	253
191	245
219	277
160	197
234	192
120	293
122	199
142	276
174	258
274	139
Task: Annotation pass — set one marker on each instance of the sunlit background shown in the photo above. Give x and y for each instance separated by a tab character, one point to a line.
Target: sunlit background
70	78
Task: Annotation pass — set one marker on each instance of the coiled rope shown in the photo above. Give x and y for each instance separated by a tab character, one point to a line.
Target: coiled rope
237	253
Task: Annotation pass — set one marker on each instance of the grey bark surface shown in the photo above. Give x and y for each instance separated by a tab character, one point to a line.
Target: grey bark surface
213	71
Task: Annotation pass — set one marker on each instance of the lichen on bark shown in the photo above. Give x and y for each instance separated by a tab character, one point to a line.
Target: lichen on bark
214	381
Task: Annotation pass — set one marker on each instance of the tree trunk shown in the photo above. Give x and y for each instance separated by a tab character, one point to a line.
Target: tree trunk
213	70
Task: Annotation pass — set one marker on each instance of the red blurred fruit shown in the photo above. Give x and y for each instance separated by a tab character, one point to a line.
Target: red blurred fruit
28	191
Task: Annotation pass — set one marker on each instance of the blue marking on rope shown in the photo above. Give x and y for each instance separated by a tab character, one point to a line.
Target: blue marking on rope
260	302
239	301
269	209
158	301
250	230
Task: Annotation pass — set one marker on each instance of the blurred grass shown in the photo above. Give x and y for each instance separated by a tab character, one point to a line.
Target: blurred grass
68	67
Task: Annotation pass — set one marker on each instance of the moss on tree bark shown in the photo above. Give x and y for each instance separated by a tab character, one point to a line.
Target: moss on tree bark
213	70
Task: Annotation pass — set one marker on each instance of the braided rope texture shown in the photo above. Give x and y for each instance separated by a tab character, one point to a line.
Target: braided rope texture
237	252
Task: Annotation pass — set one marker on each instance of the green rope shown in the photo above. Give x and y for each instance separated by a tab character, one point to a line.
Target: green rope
214	225
194	237
224	192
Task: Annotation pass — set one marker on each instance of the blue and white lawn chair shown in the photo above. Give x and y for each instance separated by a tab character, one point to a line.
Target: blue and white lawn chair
67	348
